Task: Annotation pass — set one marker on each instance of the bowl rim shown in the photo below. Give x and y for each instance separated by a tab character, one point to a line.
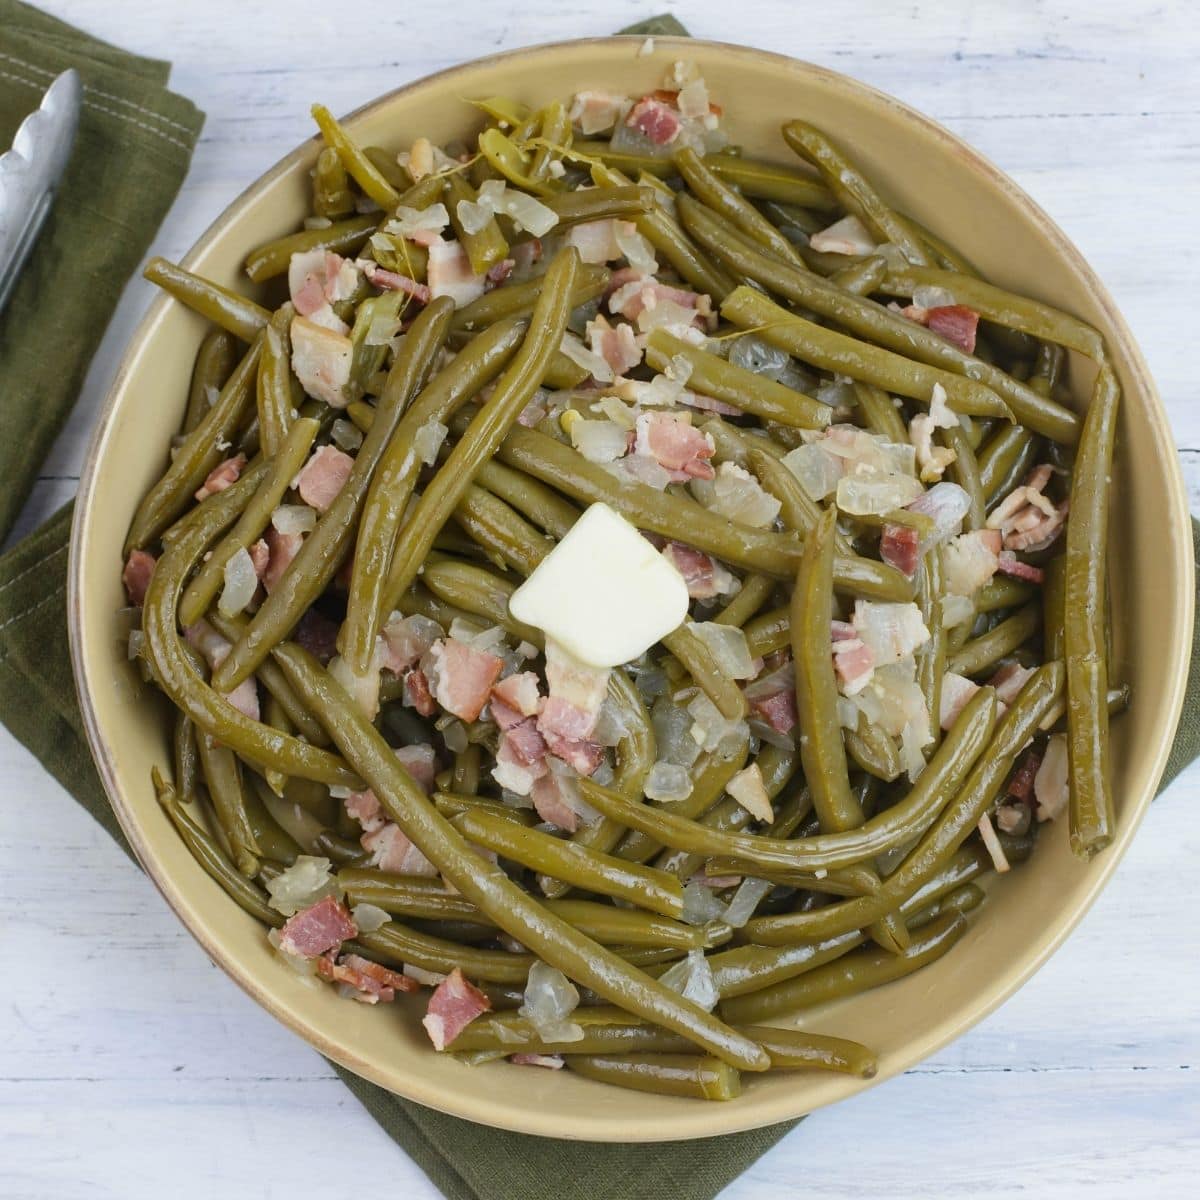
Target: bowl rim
708	1119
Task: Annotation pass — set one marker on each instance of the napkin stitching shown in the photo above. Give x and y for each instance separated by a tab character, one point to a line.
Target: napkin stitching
41	562
29	611
112	112
100	92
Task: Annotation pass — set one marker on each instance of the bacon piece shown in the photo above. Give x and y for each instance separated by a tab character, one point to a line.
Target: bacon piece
416	693
654	120
842	631
323	476
854	664
316	280
525	742
956	323
449	273
957	690
371	982
1020	786
1010	564
565	720
420	762
898	548
616	345
391	850
224	474
260	557
595	112
460	676
455	1003
512	773
1026	519
136	576
549	800
776	708
497	273
281	549
321	358
215	649
1009	680
316	929
582	754
519	692
393	281
579	685
630	292
317	634
704	576
505	716
364	807
674	443
553	1061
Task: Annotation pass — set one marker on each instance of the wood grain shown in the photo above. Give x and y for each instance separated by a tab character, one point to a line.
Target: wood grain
132	1067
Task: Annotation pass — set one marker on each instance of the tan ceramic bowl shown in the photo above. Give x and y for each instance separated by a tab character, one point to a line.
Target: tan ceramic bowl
944	184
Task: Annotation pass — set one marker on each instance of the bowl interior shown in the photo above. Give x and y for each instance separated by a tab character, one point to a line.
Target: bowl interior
941	182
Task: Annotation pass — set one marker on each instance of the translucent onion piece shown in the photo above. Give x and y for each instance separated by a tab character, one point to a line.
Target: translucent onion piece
346	435
817	470
599	441
859	495
294	518
369	917
550	998
241	582
738	496
591	362
728	647
693	979
306	881
746	900
701	905
667	781
427	441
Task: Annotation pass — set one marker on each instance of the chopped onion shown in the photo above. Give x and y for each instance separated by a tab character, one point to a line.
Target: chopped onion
644	469
408	638
294	518
637	250
617	412
692	99
847	236
679	369
672	731
711	730
301	885
137	643
667	781
701	905
550	998
241	582
369	917
666	314
746	900
611	726
528	213
693	979
346	434
728	646
427	441
598	441
473	217
891	631
817	470
739	496
956	610
364	688
947	504
751	353
422	976
992	843
933	297
747	788
591	362
859	495
409	221
1050	783
837	393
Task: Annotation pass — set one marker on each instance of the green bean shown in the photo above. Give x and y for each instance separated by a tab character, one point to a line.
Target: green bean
518	299
400	945
486	885
451	804
700	1076
234	498
199	453
276	844
480	592
1054	607
861	278
485	247
331	195
276	395
852	190
322	551
1004	460
361	169
506	156
1004	308
395	478
342	237
573	863
931	656
387	164
873	750
516	386
601	204
185	756
253	520
212	859
1003	591
465	777
755	591
660	229
241	317
828	850
733	444
223	778
541	504
964	470
508	538
769	632
936	847
1086	604
795	223
848	976
723	380
686	645
986	650
874	322
832	351
799	510
710	190
214	364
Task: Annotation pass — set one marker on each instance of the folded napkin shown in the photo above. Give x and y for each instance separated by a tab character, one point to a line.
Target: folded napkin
134	145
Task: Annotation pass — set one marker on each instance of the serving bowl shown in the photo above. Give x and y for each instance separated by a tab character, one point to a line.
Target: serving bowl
925	171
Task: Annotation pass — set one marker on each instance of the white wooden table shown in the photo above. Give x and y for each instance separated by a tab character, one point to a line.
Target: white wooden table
132	1067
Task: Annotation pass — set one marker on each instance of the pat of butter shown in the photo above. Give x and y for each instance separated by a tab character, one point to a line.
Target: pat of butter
603	593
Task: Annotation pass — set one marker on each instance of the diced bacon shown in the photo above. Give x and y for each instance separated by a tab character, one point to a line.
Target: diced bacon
314	930
317	634
323	476
214	648
407	639
675	444
630	292
550	803
777	708
524	742
563	719
136	576
416	693
455	1003
992	843
970	560
578	684
854	664
956	323
504	716
582	754
260	557
281	549
514	775
1020	786
460	676
616	345
1010	564
957	691
321	358
526	254
391	850
316	280
364	807
244	698
654	120
341	277
499	272
1026	519
223	475
449	273
393	281
842	631
847	236
420	762
371	982
704	576
595	112
1009	680
519	693
596	241
898	546
553	1061
703	403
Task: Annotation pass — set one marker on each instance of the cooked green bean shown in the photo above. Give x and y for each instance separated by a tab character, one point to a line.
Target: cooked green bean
276	398
485	247
1003	591
931	656
342	237
401	945
601	204
1054	607
862	278
1004	461
873	750
500	530
693	654
215	361
322	551
223	778
241	317
695	1075
331	193
769	632
755	591
518	299
986	650
357	164
200	452
186	757
1085	597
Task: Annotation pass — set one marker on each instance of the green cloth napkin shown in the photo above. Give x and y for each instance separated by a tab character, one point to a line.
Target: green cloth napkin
134	146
